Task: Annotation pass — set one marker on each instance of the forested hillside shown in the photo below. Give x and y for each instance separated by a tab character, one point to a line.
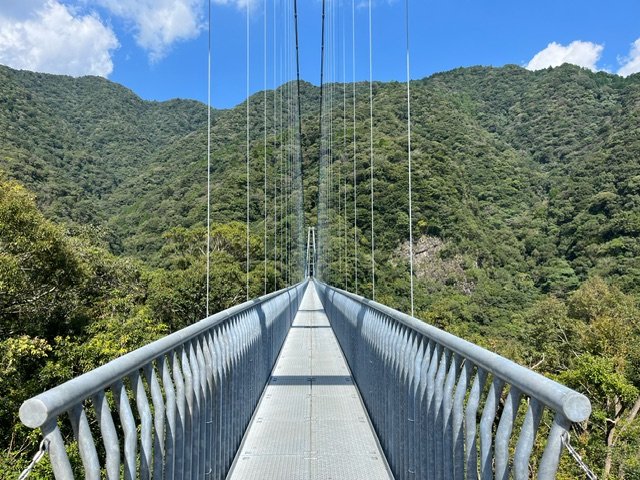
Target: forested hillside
526	219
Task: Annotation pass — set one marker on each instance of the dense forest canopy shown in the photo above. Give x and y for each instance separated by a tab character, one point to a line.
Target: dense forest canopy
526	221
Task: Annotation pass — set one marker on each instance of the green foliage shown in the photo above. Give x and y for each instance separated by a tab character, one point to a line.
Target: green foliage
526	217
68	305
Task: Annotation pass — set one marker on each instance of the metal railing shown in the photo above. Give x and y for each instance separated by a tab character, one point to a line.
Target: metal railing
174	409
444	408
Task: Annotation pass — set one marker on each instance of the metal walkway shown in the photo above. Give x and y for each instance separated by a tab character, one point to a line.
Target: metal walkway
310	423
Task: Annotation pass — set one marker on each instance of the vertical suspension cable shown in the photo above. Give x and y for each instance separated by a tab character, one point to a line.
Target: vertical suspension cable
320	231
329	129
373	244
264	200
299	149
208	288
289	143
335	177
406	3
339	157
283	178
275	136
344	139
355	148
248	159
280	200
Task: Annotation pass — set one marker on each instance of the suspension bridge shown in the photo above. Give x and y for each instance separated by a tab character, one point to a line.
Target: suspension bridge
310	381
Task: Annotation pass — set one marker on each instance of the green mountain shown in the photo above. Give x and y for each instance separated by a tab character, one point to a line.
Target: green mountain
526	216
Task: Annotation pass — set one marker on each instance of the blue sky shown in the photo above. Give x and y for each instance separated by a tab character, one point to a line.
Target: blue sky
158	48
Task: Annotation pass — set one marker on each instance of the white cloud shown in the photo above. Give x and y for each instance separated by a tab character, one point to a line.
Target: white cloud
583	54
631	63
48	36
242	4
160	23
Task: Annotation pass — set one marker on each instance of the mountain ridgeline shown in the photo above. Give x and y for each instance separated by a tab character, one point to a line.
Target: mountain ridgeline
526	220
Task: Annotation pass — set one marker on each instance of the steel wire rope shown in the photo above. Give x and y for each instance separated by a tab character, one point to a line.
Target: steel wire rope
373	243
335	174
208	280
275	136
281	177
289	142
264	100
355	147
338	217
248	51
299	161
344	138
320	182
329	130
406	3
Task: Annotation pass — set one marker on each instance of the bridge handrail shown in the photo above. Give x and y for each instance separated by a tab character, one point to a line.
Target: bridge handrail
440	404
36	411
171	380
574	405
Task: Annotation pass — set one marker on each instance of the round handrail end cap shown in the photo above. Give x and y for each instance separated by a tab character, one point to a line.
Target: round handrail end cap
576	407
33	413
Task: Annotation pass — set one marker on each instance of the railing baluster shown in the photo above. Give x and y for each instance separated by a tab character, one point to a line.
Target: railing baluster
226	400
503	433
422	413
207	368
405	385
439	414
219	362
551	456
447	408
471	427
171	425
57	452
412	390
526	440
181	419
129	429
430	411
86	446
191	426
109	435
486	428
142	404
159	451
458	421
196	387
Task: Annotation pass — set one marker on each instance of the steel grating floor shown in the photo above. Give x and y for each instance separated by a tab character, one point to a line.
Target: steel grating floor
310	423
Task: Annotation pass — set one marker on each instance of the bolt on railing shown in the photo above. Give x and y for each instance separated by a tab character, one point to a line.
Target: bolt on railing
193	394
444	408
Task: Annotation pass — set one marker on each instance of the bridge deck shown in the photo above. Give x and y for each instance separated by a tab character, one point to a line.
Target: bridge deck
310	423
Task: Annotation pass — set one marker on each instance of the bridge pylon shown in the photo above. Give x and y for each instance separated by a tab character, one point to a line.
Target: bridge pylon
310	268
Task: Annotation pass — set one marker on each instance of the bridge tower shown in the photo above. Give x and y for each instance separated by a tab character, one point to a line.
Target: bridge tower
311	252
